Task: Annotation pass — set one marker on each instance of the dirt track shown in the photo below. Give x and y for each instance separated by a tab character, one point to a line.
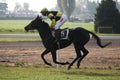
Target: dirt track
28	53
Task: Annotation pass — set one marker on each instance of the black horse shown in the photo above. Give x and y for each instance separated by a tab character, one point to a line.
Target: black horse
78	36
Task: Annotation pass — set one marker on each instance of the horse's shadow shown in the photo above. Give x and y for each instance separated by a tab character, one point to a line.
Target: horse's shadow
90	73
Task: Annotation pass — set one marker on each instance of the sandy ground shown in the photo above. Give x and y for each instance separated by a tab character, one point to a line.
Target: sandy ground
29	54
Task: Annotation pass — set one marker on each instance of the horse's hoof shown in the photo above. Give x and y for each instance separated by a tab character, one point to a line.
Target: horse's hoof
49	64
78	65
69	68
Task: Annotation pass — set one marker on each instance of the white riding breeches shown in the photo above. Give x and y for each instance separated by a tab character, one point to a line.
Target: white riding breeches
59	23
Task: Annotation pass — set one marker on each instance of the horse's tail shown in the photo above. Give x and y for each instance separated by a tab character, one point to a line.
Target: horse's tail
99	40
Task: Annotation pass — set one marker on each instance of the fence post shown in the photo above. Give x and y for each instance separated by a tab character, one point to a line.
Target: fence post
58	55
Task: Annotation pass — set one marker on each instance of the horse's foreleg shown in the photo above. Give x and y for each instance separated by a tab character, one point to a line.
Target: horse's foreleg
85	52
42	56
55	58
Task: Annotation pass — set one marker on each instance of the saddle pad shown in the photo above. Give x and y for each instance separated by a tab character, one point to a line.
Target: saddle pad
64	34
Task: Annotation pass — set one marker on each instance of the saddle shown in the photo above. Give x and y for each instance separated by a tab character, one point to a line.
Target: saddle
63	33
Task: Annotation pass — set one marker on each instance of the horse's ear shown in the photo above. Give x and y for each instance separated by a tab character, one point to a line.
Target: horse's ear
39	17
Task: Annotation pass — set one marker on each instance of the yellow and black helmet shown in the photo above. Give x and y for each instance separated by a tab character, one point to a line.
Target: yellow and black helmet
44	10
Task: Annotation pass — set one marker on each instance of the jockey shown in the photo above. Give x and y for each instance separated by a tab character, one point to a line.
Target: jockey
57	18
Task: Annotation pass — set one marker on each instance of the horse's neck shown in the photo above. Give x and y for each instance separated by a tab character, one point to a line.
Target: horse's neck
45	32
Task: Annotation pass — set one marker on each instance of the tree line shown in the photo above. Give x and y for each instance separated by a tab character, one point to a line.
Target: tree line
20	12
70	7
83	9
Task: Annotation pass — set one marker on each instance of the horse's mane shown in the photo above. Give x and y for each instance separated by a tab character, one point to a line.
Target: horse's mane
46	24
41	22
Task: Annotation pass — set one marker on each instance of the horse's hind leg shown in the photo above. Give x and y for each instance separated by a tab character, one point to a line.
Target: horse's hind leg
78	55
85	52
42	56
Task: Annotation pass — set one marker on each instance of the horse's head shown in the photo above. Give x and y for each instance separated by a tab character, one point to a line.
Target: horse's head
34	24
